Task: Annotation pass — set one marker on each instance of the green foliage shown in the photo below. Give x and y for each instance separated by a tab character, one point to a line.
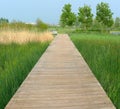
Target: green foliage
84	21
117	22
3	21
104	14
67	18
96	26
41	24
85	17
18	25
102	53
16	61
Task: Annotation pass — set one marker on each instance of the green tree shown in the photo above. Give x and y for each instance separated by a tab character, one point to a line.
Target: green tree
117	22
85	16
40	24
96	25
104	14
67	17
3	20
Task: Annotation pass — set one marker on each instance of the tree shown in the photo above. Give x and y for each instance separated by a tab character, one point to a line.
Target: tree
40	24
85	16
96	25
67	17
117	22
104	14
3	20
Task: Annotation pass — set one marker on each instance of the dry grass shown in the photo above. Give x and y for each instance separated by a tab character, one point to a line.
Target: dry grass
24	36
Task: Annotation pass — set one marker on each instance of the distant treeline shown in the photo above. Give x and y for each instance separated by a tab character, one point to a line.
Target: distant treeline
85	20
18	25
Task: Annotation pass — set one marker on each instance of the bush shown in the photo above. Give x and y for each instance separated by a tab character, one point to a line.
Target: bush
41	24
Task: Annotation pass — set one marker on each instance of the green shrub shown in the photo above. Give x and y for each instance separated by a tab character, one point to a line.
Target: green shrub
41	25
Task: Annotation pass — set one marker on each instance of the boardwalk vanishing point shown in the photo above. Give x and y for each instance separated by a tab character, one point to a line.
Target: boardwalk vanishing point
61	79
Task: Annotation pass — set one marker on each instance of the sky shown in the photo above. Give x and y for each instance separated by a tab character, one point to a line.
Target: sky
48	11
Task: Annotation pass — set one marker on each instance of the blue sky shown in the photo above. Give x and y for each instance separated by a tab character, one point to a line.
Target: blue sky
48	11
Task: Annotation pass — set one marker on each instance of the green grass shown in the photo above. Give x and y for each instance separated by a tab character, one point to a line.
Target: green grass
16	61
63	30
102	53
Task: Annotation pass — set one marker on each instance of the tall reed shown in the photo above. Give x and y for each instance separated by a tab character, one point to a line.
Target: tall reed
19	51
24	36
102	53
16	61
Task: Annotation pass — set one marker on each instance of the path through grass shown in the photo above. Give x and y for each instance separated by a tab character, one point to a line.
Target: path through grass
102	53
16	61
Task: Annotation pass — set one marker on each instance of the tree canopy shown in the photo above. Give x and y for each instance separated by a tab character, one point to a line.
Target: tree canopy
67	17
84	19
117	22
85	16
40	24
104	14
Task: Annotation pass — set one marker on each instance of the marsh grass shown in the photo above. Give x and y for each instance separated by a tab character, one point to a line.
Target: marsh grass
19	51
102	53
16	61
24	36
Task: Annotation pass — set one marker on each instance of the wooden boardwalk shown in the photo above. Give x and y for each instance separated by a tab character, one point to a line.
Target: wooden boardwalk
61	79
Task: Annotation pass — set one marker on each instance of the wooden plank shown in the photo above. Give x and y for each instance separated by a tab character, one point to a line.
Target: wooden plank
61	79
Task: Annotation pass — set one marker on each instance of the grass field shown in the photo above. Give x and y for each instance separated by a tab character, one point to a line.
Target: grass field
24	36
102	53
17	59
